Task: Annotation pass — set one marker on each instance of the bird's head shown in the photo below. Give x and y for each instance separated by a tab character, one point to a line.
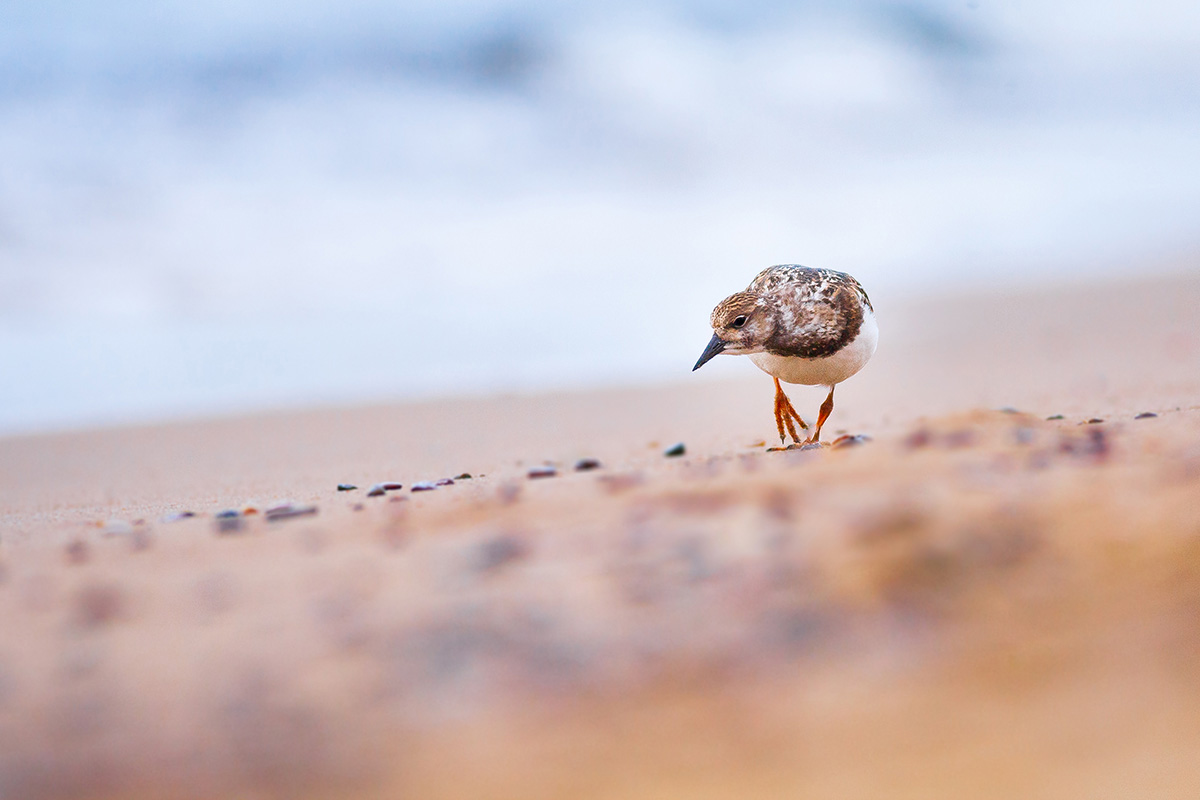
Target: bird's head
741	324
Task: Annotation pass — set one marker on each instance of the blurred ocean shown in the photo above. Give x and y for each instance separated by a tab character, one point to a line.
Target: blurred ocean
223	206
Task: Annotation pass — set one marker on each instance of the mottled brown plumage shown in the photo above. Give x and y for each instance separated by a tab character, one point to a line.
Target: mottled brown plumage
800	325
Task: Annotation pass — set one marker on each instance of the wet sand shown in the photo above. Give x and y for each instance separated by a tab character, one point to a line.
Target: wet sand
979	601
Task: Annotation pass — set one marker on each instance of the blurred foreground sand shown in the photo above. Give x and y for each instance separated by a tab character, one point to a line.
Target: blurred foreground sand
976	603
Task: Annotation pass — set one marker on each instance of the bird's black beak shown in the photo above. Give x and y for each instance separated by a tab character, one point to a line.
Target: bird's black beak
715	346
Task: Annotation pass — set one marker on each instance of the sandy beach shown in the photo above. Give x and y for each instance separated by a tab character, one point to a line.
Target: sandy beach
995	594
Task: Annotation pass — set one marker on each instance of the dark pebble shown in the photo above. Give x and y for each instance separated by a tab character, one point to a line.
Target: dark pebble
98	604
466	476
228	521
919	438
77	552
587	464
675	450
963	437
391	486
498	551
1146	415
424	486
546	471
289	511
376	491
1094	421
1055	417
346	487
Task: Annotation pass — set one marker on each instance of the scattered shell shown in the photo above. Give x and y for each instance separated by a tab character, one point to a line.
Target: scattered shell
376	491
424	486
117	527
346	487
1094	421
390	486
587	464
850	441
175	516
675	450
1146	415
466	476
546	471
289	511
444	482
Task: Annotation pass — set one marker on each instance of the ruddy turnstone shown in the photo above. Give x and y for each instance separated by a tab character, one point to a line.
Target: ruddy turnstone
799	325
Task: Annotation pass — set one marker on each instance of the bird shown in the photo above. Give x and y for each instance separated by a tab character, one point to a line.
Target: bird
800	325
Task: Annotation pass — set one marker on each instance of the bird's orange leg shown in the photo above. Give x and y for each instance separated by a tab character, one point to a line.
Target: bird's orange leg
826	410
785	413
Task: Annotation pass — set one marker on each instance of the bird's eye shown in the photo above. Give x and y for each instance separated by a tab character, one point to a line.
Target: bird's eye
739	321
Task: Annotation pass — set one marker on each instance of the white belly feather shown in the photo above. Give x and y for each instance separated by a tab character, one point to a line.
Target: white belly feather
828	370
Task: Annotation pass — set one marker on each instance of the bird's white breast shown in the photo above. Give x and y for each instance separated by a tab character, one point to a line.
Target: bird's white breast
828	370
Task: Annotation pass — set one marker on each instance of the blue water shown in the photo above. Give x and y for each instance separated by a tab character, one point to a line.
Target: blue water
208	208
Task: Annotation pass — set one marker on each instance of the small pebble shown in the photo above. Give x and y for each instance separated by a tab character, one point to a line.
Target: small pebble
444	482
289	511
545	471
1146	415
675	450
509	493
1094	421
587	464
228	521
77	552
376	491
919	438
346	487
466	476
178	515
499	551
424	486
98	604
1055	417
391	486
